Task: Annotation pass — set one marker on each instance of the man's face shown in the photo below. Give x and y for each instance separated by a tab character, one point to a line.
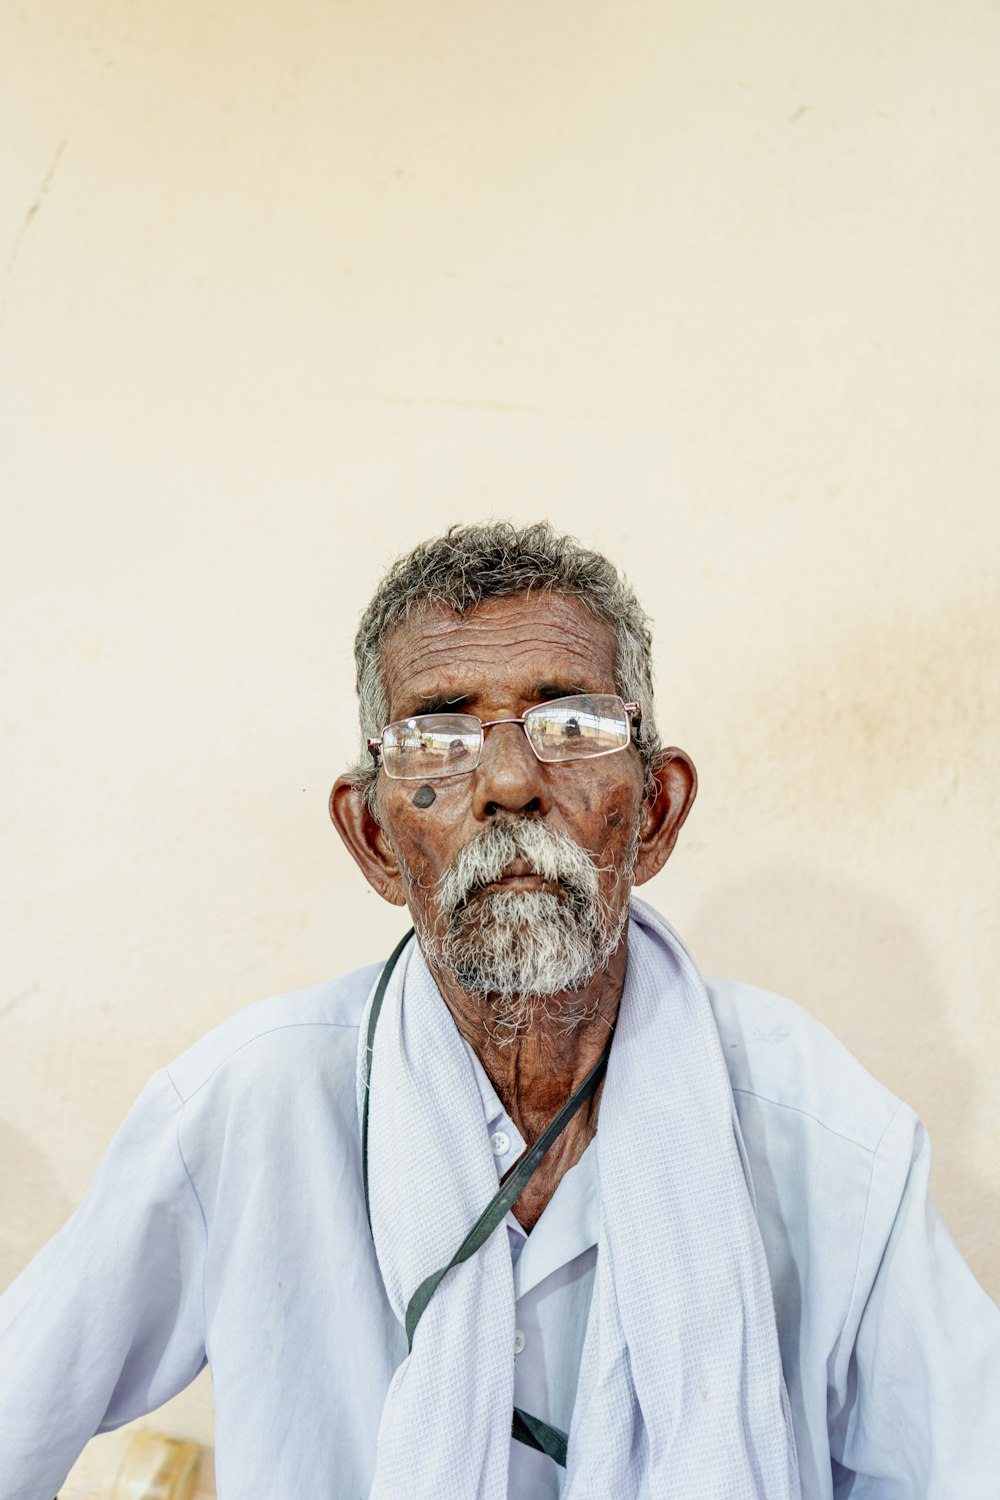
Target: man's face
507	855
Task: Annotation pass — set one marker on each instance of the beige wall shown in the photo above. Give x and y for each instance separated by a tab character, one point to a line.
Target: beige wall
291	286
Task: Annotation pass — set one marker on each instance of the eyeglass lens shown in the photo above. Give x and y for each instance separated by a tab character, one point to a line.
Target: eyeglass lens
431	745
573	728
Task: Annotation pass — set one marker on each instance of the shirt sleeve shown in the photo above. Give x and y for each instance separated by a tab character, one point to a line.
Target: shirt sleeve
106	1322
917	1416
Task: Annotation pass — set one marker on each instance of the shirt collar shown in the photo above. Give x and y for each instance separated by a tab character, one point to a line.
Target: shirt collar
492	1108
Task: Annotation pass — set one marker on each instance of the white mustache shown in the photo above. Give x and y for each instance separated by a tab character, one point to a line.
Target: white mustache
550	855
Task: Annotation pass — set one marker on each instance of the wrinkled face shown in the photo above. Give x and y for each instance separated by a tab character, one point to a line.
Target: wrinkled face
517	874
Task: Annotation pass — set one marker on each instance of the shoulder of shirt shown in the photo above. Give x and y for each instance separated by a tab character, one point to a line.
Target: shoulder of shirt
775	1052
783	1058
332	1007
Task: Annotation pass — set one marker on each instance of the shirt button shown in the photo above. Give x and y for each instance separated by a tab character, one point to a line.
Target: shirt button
519	1340
500	1143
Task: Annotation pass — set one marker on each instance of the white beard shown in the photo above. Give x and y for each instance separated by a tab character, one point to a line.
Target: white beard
527	951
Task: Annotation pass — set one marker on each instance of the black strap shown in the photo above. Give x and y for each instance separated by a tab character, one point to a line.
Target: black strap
534	1433
527	1429
507	1195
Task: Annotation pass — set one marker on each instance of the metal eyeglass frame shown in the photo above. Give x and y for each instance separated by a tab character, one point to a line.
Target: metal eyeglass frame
633	716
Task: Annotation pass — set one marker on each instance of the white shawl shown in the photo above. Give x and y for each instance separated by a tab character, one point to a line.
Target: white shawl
681	1395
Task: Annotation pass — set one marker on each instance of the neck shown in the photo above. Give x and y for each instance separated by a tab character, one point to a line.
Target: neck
535	1071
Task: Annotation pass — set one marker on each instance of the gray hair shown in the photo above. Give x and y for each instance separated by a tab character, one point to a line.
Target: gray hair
473	563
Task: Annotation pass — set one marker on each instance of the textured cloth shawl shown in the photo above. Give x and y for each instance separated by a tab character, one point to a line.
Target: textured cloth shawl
681	1394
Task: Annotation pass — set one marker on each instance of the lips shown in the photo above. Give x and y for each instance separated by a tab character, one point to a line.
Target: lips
524	859
518	876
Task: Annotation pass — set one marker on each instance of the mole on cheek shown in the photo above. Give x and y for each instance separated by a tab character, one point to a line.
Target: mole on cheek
614	817
424	796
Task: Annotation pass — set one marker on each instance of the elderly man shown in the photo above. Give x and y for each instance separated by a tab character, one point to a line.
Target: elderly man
530	1209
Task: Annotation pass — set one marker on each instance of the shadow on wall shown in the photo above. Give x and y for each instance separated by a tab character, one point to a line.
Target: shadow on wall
855	939
34	1203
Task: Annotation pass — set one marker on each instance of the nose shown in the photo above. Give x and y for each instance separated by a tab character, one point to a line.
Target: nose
509	778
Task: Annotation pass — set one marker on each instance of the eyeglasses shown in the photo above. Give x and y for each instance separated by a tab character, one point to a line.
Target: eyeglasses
577	728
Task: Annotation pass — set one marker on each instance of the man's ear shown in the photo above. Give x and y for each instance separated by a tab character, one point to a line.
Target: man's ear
363	835
675	785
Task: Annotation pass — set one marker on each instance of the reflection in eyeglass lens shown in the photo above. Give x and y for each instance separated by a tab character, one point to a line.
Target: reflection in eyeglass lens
574	727
431	745
571	728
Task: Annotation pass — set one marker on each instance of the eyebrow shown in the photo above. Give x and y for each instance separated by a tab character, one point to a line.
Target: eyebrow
428	703
548	690
457	700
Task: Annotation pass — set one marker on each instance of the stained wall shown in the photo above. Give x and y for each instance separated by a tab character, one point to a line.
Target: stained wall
287	288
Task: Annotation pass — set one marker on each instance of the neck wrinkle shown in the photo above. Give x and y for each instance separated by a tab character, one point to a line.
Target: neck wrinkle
535	1072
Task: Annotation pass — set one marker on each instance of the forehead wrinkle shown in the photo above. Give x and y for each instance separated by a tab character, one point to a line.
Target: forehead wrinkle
535	613
428	653
548	633
426	644
440	675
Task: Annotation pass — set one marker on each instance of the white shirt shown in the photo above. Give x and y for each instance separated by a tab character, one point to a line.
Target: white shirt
227	1222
